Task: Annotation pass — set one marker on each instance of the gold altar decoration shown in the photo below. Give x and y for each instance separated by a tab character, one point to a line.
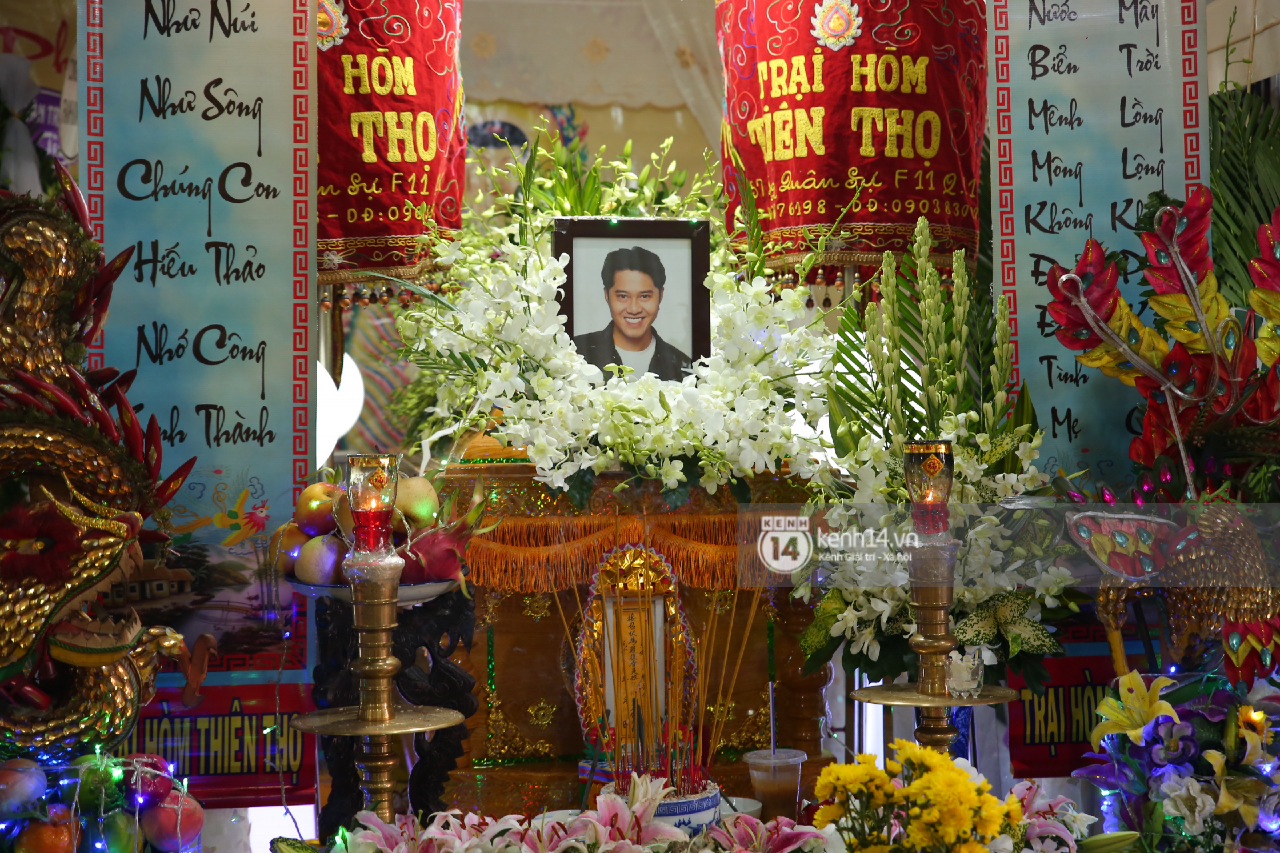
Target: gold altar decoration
541	713
545	543
505	741
555	552
754	731
525	651
634	648
545	546
1221	578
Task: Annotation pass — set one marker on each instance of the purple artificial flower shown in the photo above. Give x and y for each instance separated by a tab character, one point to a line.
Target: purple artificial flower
1160	775
1171	743
1213	707
1112	775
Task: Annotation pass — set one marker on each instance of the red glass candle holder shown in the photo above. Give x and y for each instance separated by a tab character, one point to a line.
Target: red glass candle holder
929	469
371	490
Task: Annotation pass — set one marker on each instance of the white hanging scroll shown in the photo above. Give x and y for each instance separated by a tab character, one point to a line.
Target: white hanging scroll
1095	104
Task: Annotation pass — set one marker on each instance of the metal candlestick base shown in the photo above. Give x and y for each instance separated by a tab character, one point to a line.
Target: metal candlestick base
378	717
409	719
908	695
932	594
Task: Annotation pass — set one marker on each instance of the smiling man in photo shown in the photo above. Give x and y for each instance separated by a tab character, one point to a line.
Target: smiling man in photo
634	280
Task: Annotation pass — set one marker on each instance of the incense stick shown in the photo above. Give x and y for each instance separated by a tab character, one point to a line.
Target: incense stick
773	724
703	681
721	708
737	667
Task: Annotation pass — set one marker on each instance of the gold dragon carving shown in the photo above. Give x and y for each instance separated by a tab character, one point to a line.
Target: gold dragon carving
72	678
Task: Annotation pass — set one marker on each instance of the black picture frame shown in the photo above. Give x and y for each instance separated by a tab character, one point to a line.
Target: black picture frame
627	230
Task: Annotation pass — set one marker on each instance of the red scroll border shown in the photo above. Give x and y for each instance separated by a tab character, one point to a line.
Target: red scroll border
1002	169
303	130
1190	33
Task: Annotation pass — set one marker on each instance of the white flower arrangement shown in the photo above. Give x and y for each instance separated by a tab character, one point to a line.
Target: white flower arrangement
501	343
899	377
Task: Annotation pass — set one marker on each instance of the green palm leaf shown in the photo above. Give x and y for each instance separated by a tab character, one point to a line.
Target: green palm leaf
1244	158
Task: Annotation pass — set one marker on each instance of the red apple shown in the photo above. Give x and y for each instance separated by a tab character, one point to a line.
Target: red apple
162	823
285	544
314	512
146	780
320	560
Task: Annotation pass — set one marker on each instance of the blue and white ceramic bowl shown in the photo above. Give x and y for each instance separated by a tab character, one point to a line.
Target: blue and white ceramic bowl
692	813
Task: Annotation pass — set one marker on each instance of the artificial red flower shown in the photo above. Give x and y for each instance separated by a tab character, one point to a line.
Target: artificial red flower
1189	231
1265	269
1099	281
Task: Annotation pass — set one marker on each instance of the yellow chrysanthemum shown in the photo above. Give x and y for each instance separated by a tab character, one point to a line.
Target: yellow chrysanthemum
825	786
924	800
990	817
922	757
1137	706
827	815
1014	808
1254	720
919	837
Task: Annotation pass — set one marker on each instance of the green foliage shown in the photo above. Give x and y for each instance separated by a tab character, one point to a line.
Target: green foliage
1022	414
1227	84
895	658
1030	666
290	845
984	272
1244	162
740	489
818	635
920	354
411	409
581	483
754	250
572	180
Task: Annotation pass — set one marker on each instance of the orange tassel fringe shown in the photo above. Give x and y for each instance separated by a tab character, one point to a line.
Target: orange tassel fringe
551	553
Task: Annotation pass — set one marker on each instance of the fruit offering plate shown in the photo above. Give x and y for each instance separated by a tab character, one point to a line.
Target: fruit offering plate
410	593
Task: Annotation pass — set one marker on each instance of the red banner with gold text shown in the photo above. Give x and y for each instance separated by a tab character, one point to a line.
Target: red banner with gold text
391	143
236	747
1049	733
878	105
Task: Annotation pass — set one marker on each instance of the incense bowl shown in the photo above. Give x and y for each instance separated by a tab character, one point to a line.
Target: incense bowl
692	813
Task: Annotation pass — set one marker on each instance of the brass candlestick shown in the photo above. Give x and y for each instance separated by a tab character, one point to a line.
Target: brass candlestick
928	468
932	594
373	570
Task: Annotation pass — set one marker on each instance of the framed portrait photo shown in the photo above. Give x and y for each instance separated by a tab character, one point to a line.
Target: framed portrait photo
636	292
